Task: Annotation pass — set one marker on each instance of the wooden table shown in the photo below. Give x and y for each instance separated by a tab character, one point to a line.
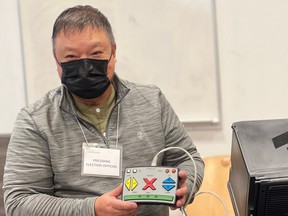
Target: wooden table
215	180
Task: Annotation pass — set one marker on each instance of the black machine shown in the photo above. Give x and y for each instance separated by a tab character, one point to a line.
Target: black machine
258	178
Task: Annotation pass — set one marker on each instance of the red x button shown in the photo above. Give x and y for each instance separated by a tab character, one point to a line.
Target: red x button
149	184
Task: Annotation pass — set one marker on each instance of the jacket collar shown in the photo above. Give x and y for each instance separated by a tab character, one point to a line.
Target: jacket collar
67	104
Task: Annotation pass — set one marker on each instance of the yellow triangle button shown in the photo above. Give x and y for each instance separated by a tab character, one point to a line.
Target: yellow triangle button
134	184
128	183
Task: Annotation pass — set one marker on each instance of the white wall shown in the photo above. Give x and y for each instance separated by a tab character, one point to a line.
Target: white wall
142	44
12	89
253	48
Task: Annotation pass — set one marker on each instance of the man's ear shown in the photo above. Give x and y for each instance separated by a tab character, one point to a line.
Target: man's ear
58	63
114	52
59	68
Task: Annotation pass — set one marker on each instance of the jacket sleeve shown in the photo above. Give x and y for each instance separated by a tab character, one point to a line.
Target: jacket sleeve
176	136
28	176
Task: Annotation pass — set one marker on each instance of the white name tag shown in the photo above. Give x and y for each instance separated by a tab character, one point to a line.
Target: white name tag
98	160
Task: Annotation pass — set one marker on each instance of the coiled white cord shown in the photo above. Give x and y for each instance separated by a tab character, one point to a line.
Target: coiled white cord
218	197
154	163
183	208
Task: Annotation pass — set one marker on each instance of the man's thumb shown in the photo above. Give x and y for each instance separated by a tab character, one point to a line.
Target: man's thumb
116	192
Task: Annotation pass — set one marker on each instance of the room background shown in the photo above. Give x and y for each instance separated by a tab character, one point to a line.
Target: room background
252	48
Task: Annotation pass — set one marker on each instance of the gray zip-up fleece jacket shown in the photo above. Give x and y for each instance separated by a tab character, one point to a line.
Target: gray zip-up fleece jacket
43	167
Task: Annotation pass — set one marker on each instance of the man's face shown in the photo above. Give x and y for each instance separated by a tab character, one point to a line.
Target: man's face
89	43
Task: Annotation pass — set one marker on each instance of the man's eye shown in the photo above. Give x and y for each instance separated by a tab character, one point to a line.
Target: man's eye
96	53
70	56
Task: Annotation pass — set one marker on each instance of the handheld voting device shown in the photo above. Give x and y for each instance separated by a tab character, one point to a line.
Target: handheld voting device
151	185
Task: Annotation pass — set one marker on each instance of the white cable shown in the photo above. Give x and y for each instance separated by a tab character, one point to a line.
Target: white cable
154	163
183	211
218	197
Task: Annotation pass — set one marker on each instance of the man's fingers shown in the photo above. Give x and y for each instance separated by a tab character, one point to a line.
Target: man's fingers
116	192
124	205
183	176
180	203
181	192
120	205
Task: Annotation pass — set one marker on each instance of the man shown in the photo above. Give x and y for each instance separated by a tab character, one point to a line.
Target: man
56	140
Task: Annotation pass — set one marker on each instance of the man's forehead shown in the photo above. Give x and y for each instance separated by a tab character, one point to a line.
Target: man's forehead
70	31
95	37
71	47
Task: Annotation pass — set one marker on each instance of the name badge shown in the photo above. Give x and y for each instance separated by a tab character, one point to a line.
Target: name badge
99	160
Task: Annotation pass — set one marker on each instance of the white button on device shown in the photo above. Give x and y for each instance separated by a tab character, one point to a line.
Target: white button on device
128	170
98	110
134	170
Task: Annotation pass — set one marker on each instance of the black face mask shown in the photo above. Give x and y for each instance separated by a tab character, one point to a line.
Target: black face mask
86	78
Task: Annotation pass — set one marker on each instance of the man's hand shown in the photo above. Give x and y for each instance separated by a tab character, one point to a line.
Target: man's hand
182	190
108	204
